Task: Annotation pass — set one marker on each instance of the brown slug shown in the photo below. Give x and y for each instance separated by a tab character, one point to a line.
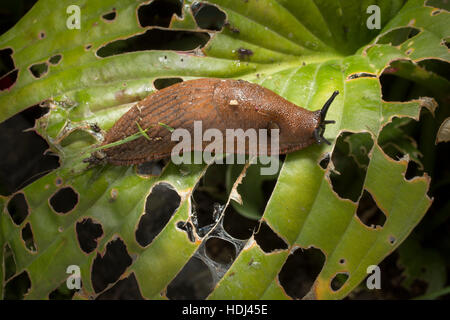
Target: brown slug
218	103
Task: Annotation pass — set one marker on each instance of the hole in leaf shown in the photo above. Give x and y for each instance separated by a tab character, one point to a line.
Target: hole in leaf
338	281
62	292
13	12
350	159
27	237
193	282
436	66
392	240
110	16
55	59
441	4
25	160
125	289
342	261
361	75
161	204
42	35
300	271
188	228
6	61
255	189
368	211
38	70
208	198
17	287
9	262
325	161
268	240
238	226
413	170
396	139
162	83
220	250
18	208
395	88
8	80
446	42
208	17
64	200
398	36
88	233
108	268
58	182
159	12
156	39
151	168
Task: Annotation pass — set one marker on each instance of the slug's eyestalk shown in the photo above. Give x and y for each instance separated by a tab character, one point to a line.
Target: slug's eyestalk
319	131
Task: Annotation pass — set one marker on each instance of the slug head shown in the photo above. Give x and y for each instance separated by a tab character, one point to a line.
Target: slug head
96	158
320	129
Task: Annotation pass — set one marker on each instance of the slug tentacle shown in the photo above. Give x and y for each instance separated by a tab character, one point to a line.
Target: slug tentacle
319	131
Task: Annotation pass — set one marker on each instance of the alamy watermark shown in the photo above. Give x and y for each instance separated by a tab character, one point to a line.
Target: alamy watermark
374	20
74	20
374	280
236	143
73	281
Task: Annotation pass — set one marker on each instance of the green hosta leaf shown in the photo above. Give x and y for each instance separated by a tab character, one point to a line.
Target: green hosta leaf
302	50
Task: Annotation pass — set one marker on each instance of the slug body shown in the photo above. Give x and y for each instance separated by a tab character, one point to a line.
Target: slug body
220	104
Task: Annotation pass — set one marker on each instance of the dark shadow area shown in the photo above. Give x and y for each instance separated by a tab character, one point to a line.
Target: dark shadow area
300	271
193	282
220	250
16	288
158	13
88	233
9	263
12	11
28	238
108	268
156	39
238	226
441	4
62	292
64	200
18	208
161	204
338	281
188	228
162	83
368	211
208	199
268	240
125	289
39	70
398	36
54	60
24	160
323	163
6	68
208	16
110	16
350	159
